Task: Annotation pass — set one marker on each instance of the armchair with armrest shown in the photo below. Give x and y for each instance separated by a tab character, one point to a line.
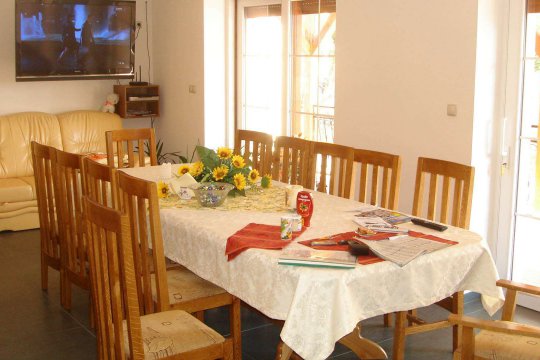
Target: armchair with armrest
502	339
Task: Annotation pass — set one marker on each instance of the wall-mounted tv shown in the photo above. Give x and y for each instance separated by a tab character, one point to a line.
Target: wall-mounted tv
74	39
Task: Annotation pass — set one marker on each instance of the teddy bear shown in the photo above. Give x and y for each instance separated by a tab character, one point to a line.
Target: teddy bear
112	99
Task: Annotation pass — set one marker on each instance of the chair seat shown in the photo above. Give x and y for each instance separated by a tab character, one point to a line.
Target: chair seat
186	286
500	346
172	332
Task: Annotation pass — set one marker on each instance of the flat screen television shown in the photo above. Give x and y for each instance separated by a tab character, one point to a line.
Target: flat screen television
74	39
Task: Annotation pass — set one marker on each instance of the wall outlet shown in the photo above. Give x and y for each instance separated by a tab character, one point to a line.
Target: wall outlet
192	89
451	110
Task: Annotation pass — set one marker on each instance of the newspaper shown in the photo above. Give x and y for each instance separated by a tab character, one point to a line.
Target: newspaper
403	249
377	224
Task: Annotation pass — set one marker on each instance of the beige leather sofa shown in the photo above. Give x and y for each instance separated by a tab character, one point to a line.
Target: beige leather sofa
77	132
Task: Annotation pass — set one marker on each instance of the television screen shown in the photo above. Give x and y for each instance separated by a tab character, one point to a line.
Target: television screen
74	39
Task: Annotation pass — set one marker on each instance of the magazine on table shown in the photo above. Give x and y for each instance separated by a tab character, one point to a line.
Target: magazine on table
317	258
403	249
391	217
377	224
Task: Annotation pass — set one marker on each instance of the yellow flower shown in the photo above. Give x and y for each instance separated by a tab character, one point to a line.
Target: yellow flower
196	169
238	161
162	189
239	181
183	169
266	181
253	175
224	152
220	172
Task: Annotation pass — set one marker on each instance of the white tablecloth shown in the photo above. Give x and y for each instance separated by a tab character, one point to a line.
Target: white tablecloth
320	306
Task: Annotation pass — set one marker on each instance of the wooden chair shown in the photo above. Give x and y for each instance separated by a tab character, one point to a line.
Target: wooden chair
462	178
69	189
290	160
385	194
160	289
101	183
48	219
503	339
130	142
330	168
255	146
168	335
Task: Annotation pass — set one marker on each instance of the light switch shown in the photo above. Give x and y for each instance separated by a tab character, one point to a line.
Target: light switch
451	110
192	89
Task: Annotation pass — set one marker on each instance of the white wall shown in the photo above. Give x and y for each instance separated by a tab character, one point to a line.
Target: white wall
53	96
398	64
178	60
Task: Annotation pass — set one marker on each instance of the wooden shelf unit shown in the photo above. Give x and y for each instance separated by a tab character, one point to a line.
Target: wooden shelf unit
139	108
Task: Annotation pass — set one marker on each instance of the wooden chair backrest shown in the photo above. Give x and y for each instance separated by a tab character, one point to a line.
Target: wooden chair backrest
370	163
255	146
100	183
463	181
69	190
290	160
114	293
140	202
125	141
335	173
48	219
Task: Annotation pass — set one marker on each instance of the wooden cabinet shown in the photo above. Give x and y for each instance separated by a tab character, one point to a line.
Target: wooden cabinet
137	101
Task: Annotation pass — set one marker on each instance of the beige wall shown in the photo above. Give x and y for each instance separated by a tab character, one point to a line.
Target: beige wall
399	63
178	43
54	96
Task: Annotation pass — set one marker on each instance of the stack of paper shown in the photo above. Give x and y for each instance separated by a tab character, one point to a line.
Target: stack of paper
391	217
378	225
403	249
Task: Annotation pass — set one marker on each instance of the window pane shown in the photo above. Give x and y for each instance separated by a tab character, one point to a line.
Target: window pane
262	70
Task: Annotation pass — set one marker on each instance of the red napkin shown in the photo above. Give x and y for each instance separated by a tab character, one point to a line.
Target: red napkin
257	236
372	258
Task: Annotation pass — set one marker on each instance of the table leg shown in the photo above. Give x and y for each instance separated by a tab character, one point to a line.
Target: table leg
399	336
362	347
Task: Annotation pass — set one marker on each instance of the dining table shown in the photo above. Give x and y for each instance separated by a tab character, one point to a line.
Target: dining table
319	306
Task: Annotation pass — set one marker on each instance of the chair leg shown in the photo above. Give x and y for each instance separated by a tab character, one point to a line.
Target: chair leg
399	336
228	351
235	314
413	313
65	288
457	308
199	315
387	320
44	274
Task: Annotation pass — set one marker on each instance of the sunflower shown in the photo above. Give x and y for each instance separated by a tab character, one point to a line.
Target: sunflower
238	161
183	169
196	168
266	181
224	152
253	176
220	172
162	189
239	181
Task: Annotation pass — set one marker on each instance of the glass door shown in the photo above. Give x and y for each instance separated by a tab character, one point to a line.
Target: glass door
526	244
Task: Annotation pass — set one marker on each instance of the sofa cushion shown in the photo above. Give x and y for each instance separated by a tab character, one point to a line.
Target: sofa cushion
15	190
84	131
17	131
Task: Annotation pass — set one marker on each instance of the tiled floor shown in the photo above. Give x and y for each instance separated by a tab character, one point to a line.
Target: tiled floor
34	326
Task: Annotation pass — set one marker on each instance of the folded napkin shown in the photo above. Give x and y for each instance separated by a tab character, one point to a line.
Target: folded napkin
372	258
256	236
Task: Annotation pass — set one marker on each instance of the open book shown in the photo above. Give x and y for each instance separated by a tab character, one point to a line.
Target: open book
317	258
404	249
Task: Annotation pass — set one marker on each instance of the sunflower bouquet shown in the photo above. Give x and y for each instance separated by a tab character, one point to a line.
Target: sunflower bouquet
222	166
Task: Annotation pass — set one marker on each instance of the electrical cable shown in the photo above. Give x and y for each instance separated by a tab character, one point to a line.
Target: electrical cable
147	41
